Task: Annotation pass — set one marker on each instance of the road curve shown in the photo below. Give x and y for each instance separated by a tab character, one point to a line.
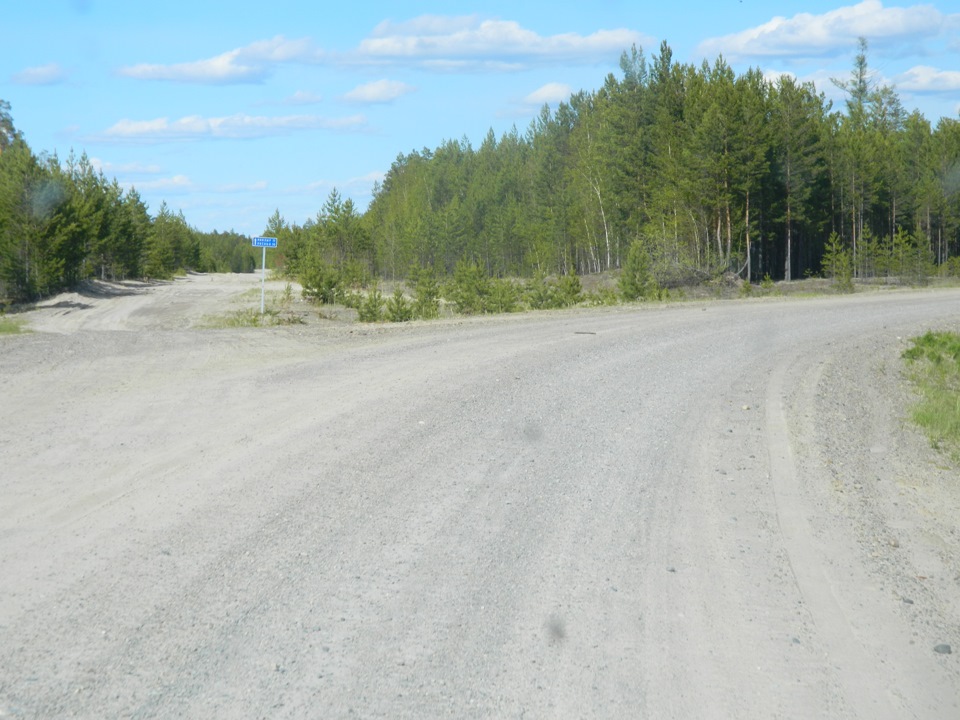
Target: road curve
695	510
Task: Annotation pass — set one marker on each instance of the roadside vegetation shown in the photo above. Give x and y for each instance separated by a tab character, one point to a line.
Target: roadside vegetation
10	326
278	310
674	179
934	361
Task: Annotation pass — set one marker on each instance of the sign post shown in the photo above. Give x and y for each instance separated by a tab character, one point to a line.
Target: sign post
264	242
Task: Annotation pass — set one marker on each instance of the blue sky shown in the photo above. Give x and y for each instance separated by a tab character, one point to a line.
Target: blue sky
230	110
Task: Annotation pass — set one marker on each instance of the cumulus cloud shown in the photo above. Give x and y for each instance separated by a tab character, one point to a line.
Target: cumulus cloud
832	32
238	126
302	97
379	91
924	79
107	167
445	42
49	74
177	183
249	64
433	42
550	93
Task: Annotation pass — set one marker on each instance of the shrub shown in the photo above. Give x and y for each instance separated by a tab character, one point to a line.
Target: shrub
469	289
504	296
322	283
951	268
603	296
426	303
837	263
371	307
540	294
636	279
399	308
569	290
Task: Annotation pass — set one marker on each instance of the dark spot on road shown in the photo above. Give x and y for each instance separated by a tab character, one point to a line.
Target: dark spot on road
555	629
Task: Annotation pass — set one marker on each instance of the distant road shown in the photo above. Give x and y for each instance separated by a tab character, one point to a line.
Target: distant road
704	510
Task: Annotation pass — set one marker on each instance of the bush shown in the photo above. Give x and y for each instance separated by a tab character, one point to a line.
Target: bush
951	268
504	297
399	308
354	274
371	308
603	296
569	290
545	294
426	303
837	263
636	279
469	289
540	294
322	283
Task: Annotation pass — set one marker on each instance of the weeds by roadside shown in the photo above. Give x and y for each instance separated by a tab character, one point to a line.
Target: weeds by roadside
277	313
935	370
11	326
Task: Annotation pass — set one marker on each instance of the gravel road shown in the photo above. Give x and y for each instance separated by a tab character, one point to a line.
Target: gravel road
699	510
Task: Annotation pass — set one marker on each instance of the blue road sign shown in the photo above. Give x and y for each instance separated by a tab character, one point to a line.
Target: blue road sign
264	242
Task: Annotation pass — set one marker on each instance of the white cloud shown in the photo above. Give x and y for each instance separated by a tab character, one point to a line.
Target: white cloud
550	93
177	183
924	79
303	97
427	25
257	186
433	42
223	69
363	182
437	41
49	74
249	64
238	126
773	76
107	167
379	91
832	32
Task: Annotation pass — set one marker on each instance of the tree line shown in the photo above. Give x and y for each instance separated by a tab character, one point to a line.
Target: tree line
686	172
63	221
703	170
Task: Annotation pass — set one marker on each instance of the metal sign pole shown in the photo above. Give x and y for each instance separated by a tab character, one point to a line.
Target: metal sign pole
264	242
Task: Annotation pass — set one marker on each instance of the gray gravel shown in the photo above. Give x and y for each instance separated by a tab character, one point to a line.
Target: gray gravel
697	510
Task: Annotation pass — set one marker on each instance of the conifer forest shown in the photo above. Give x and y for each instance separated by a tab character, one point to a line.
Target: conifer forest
686	172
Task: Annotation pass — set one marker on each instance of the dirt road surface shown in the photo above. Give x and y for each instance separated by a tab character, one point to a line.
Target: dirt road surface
700	510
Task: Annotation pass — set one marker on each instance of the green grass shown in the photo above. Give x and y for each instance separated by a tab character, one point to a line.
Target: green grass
249	317
11	326
934	360
241	318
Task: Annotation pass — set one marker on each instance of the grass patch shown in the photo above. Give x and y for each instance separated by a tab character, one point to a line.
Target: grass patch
249	317
934	360
11	326
277	312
